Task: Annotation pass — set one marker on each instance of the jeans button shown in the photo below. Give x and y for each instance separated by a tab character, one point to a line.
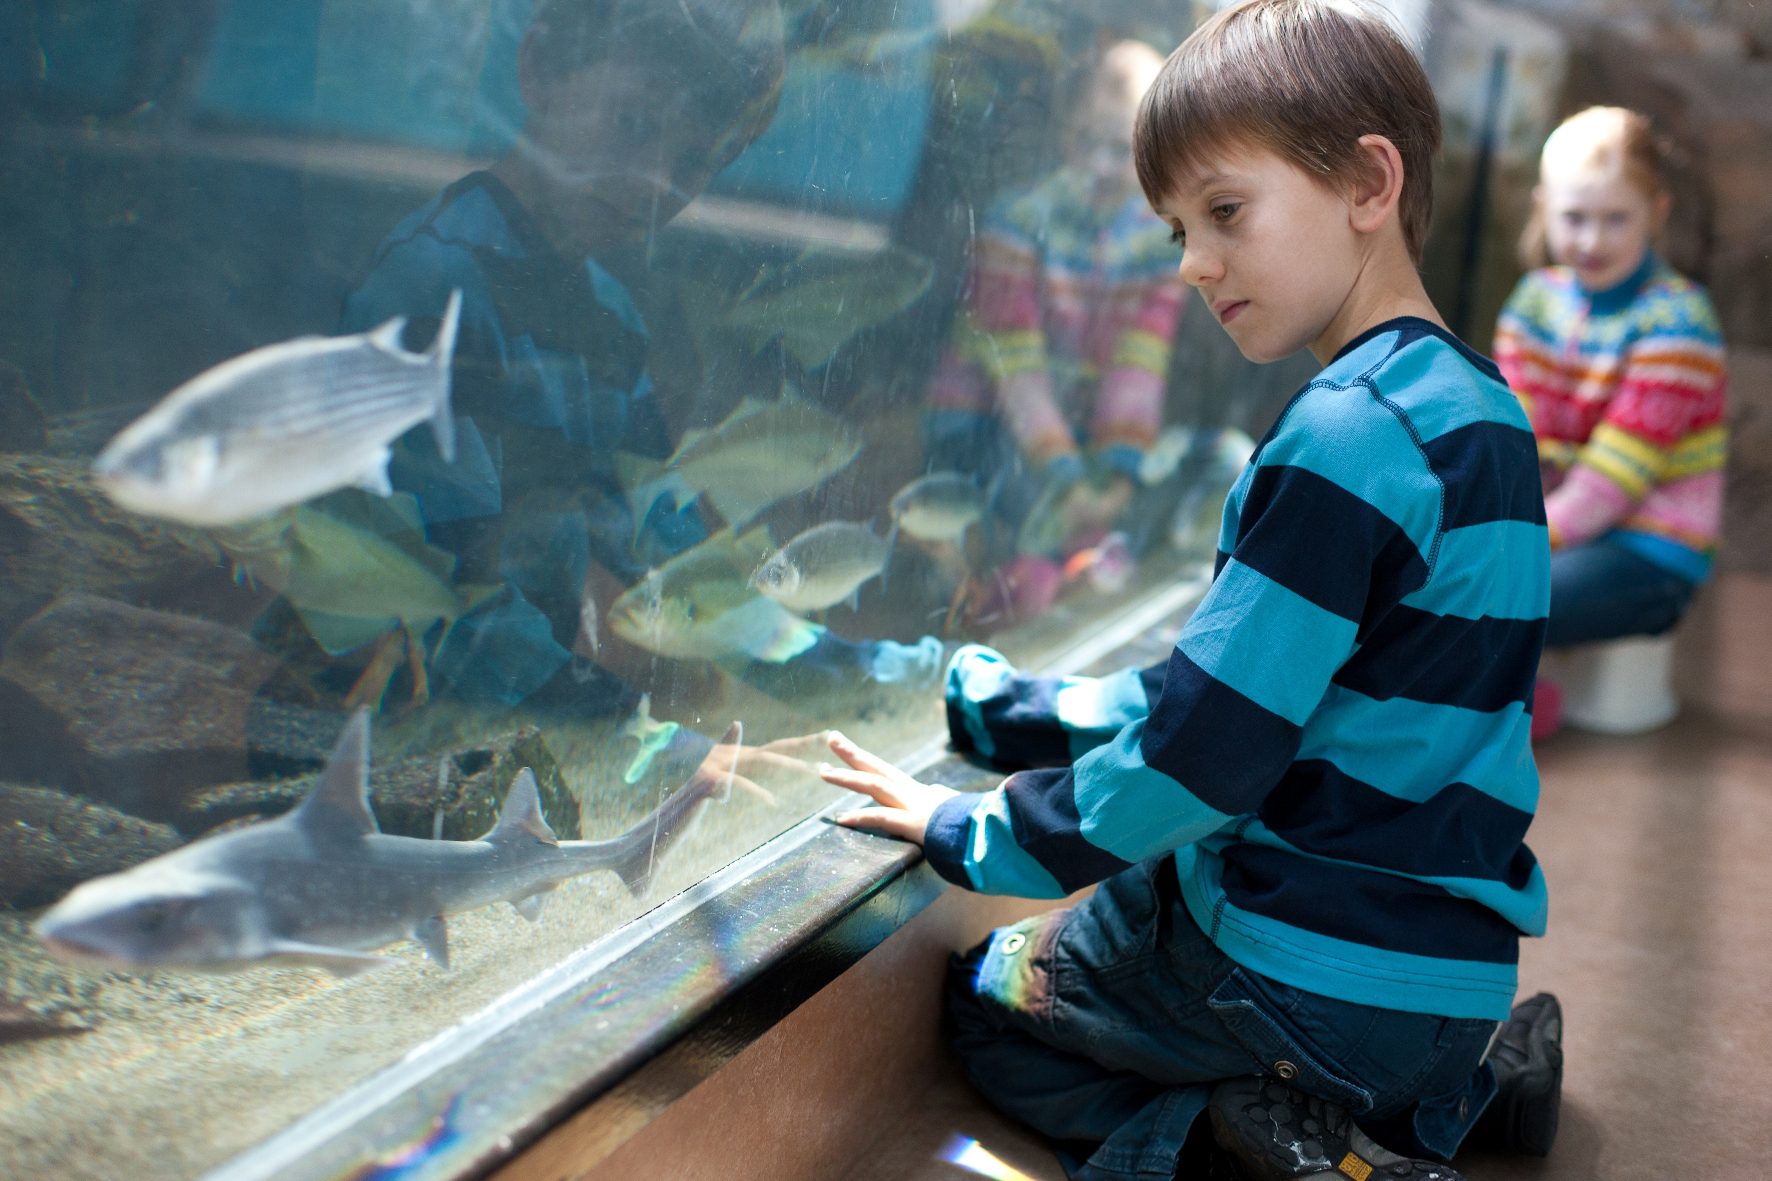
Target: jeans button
1013	943
1285	1070
1464	1107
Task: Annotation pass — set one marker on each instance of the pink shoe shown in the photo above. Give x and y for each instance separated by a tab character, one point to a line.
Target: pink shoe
1547	709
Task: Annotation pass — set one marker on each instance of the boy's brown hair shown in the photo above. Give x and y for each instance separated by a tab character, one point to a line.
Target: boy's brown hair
1304	79
729	52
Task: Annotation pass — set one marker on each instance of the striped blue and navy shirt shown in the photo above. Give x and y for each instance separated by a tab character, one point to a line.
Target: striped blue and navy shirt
1337	751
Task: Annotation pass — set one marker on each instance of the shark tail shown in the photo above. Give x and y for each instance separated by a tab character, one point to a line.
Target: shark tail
666	824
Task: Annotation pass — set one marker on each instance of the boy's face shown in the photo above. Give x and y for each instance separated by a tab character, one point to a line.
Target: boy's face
1270	250
1598	223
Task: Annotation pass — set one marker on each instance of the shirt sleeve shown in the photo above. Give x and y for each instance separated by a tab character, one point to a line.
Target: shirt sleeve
1129	406
1009	342
1315	554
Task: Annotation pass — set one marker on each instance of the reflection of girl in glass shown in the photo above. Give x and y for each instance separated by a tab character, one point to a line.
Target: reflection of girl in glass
1619	361
1057	366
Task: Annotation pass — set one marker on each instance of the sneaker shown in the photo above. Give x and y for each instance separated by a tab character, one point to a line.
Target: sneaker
1275	1132
1528	1062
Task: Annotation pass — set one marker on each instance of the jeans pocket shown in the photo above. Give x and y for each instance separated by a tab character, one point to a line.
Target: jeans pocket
1275	1050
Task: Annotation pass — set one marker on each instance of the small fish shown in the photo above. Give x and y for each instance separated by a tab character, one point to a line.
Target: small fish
281	425
700	606
762	452
939	507
321	886
823	566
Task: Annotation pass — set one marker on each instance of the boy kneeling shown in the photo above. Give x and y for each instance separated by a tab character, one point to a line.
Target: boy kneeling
1309	824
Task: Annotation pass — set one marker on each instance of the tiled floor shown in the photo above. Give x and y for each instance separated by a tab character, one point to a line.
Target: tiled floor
1658	851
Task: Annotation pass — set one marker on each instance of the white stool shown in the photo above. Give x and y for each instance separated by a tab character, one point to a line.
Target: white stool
1620	686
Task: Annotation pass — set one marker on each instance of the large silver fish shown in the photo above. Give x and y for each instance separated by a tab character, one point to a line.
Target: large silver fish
283	424
823	566
322	886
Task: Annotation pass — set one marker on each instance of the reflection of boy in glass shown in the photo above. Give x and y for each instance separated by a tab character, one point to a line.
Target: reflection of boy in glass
632	108
1058	364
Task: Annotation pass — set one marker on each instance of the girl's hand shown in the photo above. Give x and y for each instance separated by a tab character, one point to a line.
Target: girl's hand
906	805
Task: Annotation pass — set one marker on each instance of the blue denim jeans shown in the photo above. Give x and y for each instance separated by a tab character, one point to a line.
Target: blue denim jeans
1107	1024
1604	590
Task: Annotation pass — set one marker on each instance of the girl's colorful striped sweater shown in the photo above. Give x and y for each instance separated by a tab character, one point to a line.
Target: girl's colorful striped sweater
1626	392
1068	325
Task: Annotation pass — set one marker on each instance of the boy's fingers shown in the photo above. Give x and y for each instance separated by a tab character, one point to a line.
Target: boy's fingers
892	822
865	782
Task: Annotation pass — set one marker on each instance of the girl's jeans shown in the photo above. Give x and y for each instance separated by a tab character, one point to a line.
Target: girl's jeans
1603	590
1107	1023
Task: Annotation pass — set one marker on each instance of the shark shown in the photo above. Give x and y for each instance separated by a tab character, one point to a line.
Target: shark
322	887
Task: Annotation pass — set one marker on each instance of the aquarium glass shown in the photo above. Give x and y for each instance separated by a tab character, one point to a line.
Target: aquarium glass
619	392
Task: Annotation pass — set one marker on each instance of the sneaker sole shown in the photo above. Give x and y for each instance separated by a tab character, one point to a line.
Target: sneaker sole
1272	1131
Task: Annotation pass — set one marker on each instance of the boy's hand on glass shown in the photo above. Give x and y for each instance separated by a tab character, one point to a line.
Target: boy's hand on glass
905	804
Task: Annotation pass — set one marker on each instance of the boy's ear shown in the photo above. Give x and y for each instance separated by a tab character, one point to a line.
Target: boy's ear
1379	184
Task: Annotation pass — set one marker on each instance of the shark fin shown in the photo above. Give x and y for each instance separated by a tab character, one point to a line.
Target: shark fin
521	815
340	961
434	937
529	906
340	801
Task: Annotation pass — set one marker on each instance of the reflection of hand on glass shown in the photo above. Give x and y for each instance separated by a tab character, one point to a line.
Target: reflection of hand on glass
905	805
784	760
